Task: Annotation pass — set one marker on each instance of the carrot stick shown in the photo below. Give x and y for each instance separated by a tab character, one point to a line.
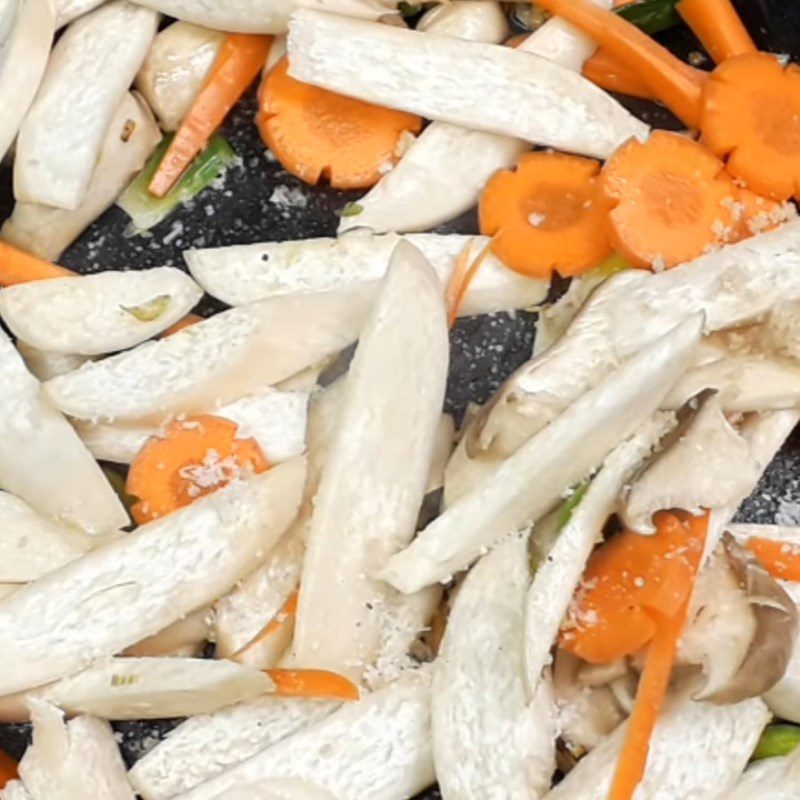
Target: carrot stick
780	559
464	272
196	456
606	71
717	25
546	215
315	133
671	201
313	683
239	62
674	83
751	115
8	769
649	700
17	266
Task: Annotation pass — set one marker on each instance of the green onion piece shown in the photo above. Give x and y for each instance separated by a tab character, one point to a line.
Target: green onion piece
651	16
777	740
151	310
146	211
351	210
571	503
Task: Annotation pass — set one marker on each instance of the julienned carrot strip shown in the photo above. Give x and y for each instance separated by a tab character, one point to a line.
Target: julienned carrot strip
284	617
717	25
606	71
17	266
751	115
196	456
671	201
8	769
546	215
780	559
186	322
628	582
464	272
674	83
649	700
313	683
238	64
315	133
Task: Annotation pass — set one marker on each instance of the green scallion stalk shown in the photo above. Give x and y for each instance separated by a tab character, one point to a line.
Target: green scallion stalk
777	740
651	16
146	211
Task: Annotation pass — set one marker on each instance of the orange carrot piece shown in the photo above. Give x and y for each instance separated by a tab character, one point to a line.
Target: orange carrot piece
464	272
717	25
17	266
780	559
605	70
286	615
195	457
649	699
313	683
672	200
238	64
186	322
674	83
546	215
315	133
8	769
751	115
627	582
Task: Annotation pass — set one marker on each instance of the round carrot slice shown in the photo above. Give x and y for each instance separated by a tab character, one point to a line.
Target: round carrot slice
751	115
546	215
316	133
196	456
672	201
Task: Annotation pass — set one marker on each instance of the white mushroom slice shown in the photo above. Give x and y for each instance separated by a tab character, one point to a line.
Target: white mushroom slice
15	790
79	760
96	314
45	365
156	688
215	361
774	778
484	734
378	747
8	18
261	16
560	571
68	10
135	586
473	20
734	285
444	170
46	231
514	93
60	141
173	73
234	734
442	450
26	54
376	472
790	534
32	544
70	487
744	384
697	752
528	484
247	273
275	419
188	633
708	467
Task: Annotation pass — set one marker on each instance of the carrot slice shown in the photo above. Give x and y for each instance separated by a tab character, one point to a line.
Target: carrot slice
606	71
313	683
672	200
8	769
780	559
195	457
186	322
649	699
238	64
546	215
464	273
751	115
628	582
674	83
17	266
316	133
718	27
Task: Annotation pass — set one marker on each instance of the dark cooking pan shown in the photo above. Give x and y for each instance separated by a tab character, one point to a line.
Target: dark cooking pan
484	349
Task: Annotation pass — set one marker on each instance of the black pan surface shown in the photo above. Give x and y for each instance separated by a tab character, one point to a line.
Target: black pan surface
260	201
